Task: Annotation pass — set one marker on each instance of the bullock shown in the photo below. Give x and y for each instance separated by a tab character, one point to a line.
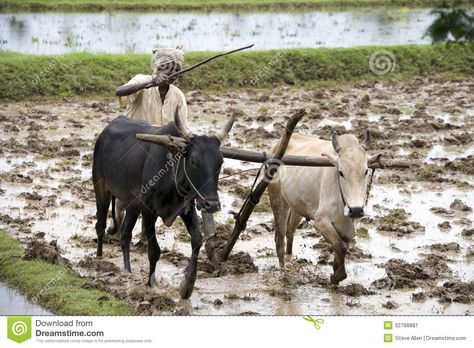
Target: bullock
334	197
156	179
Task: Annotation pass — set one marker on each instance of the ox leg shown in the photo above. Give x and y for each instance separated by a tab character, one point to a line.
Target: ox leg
191	221
126	229
339	247
143	235
281	212
148	224
281	223
119	216
102	204
293	222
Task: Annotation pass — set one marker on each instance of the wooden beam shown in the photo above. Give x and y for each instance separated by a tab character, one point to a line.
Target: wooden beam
260	157
305	161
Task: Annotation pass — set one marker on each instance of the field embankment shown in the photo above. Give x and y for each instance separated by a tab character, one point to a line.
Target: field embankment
82	74
54	286
210	5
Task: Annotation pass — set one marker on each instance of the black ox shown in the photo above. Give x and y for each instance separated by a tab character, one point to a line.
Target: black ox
156	179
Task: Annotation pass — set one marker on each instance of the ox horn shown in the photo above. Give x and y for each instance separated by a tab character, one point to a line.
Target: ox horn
183	131
228	126
366	142
163	140
335	142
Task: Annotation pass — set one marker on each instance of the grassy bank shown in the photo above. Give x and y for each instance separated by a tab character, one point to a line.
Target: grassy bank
30	76
206	5
55	287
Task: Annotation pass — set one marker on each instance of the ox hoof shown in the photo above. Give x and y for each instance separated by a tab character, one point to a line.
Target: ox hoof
281	261
151	281
336	279
111	231
186	288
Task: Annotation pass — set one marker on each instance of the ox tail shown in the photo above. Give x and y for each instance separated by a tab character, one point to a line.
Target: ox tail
114	217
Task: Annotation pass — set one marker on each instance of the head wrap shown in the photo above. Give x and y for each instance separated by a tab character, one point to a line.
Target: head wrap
166	59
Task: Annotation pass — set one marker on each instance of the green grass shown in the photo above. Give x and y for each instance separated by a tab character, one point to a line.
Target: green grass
55	287
84	74
206	5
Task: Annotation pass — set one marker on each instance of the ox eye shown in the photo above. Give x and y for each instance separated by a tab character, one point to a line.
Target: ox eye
193	162
340	174
366	171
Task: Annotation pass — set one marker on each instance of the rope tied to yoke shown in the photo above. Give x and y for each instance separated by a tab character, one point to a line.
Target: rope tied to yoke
250	195
369	186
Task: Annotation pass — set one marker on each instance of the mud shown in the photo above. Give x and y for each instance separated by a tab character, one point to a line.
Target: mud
354	290
455	291
415	241
39	249
401	274
396	222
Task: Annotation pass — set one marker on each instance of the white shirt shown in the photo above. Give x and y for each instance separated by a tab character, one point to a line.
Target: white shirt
146	104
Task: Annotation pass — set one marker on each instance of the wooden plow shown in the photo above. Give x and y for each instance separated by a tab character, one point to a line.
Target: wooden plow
218	253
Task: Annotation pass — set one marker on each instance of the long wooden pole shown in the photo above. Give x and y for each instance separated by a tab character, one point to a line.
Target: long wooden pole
304	161
254	197
201	63
260	157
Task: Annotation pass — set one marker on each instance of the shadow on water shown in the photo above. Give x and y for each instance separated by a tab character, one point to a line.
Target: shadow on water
14	303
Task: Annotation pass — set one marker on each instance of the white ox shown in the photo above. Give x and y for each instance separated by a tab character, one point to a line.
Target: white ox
334	197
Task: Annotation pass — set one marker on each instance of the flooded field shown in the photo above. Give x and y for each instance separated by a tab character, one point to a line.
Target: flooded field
413	253
58	33
14	303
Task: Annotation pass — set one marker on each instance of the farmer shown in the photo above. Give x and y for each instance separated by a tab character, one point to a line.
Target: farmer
155	105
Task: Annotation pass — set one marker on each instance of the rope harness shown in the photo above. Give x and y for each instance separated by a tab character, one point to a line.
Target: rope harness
369	186
181	189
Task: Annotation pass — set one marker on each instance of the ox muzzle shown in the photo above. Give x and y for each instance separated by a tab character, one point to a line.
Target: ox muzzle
355	212
209	205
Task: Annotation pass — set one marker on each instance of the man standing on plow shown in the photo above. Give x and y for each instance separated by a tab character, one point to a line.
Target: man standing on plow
156	105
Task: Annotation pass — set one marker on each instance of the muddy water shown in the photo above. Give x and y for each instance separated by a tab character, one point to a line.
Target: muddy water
57	33
389	109
14	303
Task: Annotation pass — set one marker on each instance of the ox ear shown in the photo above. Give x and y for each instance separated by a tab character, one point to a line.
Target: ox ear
374	158
335	142
367	139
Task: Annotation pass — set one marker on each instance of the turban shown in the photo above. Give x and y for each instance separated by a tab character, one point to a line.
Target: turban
166	59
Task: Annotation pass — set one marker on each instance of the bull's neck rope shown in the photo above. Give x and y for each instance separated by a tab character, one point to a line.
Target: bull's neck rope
340	187
181	191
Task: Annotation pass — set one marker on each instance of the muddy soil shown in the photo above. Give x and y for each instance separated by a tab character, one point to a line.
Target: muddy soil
413	252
